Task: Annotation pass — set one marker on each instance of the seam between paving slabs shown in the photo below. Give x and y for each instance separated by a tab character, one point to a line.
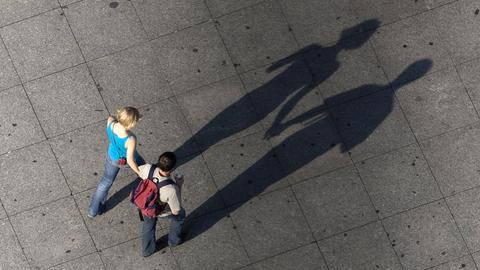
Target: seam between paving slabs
29	17
71	260
445	263
139	19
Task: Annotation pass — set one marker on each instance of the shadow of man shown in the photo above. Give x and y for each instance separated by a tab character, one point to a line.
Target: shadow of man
306	144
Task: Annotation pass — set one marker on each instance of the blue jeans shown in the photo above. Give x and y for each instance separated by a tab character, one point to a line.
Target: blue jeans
109	175
174	235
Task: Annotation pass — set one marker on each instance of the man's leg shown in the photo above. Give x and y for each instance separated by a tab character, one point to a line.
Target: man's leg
176	224
148	236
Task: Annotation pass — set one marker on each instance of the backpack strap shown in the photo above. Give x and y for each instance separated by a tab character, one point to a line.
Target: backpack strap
151	172
165	182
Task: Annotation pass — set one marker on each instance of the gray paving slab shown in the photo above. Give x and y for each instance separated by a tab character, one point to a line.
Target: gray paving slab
256	35
402	43
344	66
12	256
319	21
334	202
163	17
3	214
52	234
81	155
199	192
128	256
213	244
425	236
270	224
307	257
458	25
13	11
222	7
8	75
389	11
91	261
219	112
270	88
193	57
469	73
18	126
453	159
245	168
120	223
436	103
41	45
399	180
308	149
364	248
101	28
163	128
32	170
130	78
466	263
372	125
464	207
66	100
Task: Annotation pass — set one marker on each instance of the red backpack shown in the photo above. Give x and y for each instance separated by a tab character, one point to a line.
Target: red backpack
146	196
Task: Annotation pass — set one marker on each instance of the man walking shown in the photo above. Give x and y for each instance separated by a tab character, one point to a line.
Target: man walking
169	183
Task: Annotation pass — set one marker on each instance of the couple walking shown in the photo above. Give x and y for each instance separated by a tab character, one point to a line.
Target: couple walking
122	153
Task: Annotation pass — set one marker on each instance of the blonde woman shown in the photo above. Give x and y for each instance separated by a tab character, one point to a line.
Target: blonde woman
121	151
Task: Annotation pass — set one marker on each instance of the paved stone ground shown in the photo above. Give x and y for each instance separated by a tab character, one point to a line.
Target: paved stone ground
328	134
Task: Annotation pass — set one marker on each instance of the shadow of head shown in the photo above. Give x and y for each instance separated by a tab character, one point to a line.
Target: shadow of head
413	72
367	28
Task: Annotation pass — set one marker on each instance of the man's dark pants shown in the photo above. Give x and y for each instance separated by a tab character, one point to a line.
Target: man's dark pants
174	235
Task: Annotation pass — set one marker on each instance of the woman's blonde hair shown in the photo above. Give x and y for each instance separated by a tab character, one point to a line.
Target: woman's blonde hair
128	117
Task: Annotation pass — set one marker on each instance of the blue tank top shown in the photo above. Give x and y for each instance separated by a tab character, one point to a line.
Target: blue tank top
116	148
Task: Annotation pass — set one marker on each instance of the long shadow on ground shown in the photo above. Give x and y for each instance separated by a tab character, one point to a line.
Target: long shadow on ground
307	143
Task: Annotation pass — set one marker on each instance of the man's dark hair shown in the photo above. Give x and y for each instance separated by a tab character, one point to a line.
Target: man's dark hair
167	161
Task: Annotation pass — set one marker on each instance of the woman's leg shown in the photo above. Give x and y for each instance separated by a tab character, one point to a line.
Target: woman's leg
109	175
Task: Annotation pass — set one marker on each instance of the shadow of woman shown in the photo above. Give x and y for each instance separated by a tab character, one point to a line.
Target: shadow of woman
300	142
